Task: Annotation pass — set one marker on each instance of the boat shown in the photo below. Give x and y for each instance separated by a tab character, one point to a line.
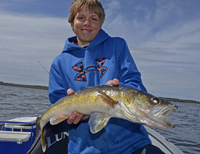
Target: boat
163	143
21	135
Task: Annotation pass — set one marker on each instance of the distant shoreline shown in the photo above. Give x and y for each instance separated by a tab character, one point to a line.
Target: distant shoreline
24	86
46	88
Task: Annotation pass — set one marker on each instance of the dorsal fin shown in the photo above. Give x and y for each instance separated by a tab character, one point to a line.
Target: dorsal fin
107	85
100	86
89	87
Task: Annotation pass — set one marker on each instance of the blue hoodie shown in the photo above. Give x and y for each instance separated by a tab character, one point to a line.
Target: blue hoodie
104	59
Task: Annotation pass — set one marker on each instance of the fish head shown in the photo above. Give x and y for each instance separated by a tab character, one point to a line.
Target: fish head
150	110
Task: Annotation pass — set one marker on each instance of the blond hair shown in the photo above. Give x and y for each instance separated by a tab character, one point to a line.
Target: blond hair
93	5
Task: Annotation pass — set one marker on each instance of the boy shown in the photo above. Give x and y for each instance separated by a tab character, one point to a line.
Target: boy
94	58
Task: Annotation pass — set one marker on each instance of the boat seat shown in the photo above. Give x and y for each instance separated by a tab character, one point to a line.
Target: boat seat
18	137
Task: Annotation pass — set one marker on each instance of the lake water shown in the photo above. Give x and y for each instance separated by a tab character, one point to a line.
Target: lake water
20	102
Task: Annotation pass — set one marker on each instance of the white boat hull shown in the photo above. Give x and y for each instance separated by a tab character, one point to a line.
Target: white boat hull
160	141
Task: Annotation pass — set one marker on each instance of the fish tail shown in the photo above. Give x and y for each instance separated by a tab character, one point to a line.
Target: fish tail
43	141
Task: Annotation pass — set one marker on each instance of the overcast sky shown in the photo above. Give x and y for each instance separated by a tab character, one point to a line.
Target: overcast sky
163	37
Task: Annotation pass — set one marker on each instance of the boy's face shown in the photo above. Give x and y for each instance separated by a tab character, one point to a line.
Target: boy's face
86	26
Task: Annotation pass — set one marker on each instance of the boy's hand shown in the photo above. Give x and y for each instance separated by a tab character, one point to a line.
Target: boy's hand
114	82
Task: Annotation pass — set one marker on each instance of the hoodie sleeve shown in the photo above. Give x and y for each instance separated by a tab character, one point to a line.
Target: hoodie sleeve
56	87
128	72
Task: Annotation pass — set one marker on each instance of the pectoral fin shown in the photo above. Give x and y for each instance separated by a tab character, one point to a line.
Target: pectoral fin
58	118
98	121
105	98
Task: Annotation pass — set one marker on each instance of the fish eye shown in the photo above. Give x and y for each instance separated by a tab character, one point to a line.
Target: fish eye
154	100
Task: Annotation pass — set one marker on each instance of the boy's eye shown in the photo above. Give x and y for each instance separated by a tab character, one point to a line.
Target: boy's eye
95	19
79	17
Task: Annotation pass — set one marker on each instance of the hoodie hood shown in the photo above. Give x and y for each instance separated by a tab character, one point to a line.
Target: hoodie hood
70	42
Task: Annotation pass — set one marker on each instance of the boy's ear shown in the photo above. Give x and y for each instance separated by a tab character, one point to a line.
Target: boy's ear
72	25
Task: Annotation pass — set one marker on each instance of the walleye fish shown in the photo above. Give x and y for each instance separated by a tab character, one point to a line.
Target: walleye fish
107	101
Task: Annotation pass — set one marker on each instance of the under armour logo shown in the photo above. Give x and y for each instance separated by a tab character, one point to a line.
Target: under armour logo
81	75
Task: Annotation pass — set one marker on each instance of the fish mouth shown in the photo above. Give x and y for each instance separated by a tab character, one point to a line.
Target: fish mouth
162	117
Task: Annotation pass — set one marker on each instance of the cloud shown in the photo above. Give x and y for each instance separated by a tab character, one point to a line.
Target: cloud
141	21
161	26
163	37
26	39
